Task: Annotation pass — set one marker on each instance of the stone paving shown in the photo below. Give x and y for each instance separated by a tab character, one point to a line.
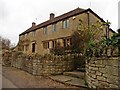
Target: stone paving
75	74
71	78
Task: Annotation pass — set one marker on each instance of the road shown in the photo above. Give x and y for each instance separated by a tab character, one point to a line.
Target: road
13	78
7	83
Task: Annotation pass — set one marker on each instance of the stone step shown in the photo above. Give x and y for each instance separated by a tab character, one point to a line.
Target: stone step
81	69
76	74
69	80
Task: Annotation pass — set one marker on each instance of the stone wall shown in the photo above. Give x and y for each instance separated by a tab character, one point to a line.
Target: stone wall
103	72
6	57
43	65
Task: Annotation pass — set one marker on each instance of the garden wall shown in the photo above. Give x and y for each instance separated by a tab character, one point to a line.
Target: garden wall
43	65
6	57
103	72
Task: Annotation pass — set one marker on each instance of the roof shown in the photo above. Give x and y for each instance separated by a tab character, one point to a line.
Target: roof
112	30
61	17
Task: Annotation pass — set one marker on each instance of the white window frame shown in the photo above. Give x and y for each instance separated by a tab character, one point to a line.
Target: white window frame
54	27
33	33
65	23
45	30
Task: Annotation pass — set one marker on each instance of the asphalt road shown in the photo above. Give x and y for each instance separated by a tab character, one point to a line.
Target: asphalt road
23	79
6	83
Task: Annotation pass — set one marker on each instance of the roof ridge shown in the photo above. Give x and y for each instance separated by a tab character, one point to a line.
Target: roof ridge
77	9
58	18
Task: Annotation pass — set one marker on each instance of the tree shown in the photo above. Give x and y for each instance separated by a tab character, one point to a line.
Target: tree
116	40
86	36
5	43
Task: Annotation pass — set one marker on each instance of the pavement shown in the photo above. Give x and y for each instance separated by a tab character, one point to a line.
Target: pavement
0	75
4	82
76	74
7	83
16	78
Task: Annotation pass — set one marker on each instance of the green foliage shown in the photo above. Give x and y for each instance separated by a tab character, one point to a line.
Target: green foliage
107	43
118	31
117	40
58	50
79	61
84	37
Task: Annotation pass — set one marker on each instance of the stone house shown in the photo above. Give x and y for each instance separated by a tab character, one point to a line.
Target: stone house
42	37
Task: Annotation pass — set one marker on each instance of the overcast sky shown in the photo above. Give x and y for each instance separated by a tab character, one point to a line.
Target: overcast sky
17	15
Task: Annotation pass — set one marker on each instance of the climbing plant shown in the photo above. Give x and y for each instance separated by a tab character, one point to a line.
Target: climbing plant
86	36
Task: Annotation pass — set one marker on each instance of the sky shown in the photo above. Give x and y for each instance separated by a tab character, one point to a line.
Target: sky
17	16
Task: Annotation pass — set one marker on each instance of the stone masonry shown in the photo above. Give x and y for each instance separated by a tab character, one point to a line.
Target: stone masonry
43	65
103	72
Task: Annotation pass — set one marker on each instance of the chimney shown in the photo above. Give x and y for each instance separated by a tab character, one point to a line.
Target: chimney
33	24
52	16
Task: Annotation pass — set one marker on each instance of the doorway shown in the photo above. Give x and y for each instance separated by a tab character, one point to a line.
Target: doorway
33	47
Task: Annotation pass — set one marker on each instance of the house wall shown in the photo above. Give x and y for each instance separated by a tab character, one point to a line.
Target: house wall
60	33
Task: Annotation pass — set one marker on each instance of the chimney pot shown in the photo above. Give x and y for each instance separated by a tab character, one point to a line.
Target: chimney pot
33	24
52	16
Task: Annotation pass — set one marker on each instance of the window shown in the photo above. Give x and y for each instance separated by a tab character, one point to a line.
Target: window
45	30
65	24
54	27
20	37
33	47
33	33
67	42
27	47
46	45
64	42
54	44
25	35
22	48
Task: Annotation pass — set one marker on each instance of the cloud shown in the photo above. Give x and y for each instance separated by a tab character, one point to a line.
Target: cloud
17	15
2	7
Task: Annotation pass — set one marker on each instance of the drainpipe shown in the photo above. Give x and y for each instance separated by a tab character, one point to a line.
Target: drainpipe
107	29
88	18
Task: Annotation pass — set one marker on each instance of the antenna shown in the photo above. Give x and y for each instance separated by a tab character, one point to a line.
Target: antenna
90	3
36	19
